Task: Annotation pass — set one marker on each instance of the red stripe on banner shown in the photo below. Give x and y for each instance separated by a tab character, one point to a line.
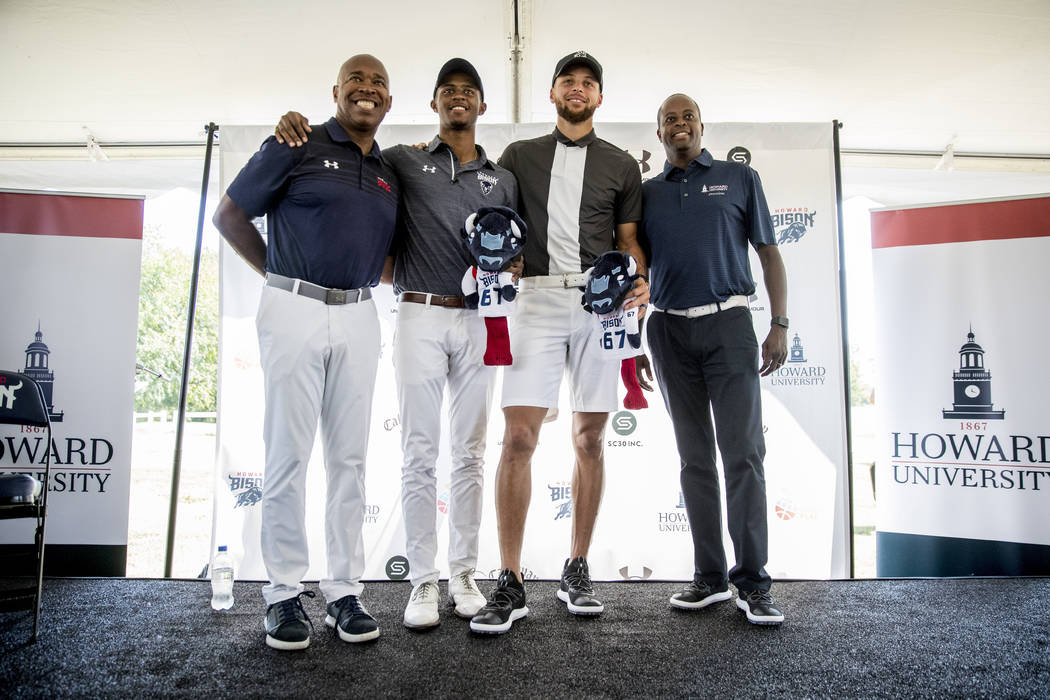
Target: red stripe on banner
66	215
960	223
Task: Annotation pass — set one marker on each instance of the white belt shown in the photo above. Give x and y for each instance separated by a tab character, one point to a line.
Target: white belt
567	281
706	309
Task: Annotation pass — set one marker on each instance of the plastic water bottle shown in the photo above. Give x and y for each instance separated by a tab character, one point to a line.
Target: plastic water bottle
222	580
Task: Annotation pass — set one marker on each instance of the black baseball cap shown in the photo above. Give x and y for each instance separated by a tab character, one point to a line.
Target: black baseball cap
459	65
580	58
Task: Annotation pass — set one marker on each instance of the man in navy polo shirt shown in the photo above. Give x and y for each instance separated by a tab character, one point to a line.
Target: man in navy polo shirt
331	210
700	215
439	341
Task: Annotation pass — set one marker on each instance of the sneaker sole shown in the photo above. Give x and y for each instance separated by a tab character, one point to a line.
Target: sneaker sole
758	619
275	643
352	638
467	612
563	596
709	600
499	629
422	625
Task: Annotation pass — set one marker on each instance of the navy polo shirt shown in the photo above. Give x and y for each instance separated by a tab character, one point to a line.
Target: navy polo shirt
331	210
699	222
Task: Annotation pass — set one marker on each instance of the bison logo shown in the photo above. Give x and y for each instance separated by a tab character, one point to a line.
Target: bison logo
248	497
792	233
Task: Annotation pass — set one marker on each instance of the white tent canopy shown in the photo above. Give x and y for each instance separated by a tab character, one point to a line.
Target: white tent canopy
902	76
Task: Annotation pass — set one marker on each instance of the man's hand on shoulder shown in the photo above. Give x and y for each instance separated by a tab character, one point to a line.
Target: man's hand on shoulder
292	129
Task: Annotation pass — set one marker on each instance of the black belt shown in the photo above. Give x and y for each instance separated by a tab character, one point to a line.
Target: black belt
314	291
449	301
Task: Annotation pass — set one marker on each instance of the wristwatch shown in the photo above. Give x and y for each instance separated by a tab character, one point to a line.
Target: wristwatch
779	321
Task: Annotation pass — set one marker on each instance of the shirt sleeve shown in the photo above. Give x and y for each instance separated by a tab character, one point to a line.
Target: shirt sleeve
759	223
262	181
512	192
629	202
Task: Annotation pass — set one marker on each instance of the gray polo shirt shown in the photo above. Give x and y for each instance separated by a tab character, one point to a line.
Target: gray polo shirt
437	195
573	194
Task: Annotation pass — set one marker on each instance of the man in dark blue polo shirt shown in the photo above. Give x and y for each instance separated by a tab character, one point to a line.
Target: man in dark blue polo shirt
439	341
700	215
331	210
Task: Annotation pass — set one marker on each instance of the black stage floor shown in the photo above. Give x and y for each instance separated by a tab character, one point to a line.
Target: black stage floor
975	637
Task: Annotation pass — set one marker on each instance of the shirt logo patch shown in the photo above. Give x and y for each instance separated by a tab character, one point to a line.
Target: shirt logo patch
487	182
383	183
429	169
331	164
714	190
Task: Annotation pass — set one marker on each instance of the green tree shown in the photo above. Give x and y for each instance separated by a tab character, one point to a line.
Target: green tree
163	303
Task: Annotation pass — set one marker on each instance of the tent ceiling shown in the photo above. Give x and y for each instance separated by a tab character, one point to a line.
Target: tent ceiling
899	74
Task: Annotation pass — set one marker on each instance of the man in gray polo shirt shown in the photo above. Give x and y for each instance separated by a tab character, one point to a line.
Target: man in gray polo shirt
438	340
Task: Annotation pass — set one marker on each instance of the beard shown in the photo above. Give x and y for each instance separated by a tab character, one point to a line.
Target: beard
574	117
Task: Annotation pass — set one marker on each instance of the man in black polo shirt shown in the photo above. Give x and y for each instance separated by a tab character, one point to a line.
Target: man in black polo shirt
700	216
331	210
580	196
438	340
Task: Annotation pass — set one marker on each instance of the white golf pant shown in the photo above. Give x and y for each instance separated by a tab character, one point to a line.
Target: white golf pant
434	346
317	361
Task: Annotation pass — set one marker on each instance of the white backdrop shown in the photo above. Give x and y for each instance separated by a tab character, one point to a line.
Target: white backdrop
642	530
71	272
962	486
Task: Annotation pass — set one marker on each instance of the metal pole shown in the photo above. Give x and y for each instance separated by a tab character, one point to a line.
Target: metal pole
515	65
184	388
835	126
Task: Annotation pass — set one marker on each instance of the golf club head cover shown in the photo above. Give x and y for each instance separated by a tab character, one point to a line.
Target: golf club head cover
609	281
494	236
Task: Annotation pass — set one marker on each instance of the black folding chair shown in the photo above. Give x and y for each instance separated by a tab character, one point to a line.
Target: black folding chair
21	495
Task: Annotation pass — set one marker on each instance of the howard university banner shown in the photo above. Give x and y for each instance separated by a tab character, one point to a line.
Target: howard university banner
70	287
642	531
963	482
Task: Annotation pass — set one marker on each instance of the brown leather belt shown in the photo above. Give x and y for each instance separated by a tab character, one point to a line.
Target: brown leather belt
447	301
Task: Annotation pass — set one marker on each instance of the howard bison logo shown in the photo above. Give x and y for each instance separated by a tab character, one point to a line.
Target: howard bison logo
247	490
792	233
248	498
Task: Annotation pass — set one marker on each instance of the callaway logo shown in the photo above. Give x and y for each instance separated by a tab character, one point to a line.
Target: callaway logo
7	395
331	164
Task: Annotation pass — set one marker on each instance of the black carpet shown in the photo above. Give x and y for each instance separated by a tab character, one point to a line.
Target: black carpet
885	638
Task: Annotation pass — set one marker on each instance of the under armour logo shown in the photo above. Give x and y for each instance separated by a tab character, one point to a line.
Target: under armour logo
331	164
580	54
429	169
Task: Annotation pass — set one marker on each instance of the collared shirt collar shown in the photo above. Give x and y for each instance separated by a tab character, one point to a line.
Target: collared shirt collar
583	141
339	135
705	159
436	143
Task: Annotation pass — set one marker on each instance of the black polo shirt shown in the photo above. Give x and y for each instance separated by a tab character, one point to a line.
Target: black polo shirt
572	194
331	210
699	222
437	194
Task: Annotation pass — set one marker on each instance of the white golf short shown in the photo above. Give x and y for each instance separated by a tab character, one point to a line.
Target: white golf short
551	334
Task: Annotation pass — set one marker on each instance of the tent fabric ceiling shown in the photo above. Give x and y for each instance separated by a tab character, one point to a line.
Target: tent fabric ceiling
899	74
